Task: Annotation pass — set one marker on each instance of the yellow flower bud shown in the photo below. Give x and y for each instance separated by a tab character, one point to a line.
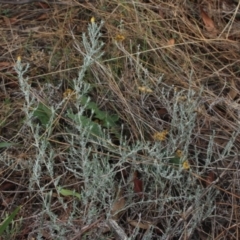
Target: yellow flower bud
186	165
92	20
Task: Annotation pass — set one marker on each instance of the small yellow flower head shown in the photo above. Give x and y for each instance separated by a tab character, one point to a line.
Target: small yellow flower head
19	58
119	38
179	153
186	165
92	20
145	89
181	98
69	93
160	136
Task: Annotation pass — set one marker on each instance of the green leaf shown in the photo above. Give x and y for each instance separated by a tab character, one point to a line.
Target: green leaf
94	128
108	120
85	101
43	113
92	106
8	220
67	192
175	160
6	144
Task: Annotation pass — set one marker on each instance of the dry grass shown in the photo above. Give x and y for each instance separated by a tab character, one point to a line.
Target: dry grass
171	40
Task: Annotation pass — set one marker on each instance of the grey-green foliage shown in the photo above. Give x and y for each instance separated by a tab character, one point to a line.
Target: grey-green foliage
87	167
170	190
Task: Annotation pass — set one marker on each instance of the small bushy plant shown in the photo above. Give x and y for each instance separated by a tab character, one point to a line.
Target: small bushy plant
173	201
